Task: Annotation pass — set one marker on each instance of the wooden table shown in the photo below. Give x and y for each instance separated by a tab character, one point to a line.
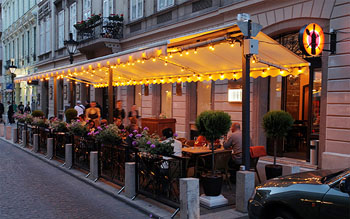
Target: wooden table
196	152
199	150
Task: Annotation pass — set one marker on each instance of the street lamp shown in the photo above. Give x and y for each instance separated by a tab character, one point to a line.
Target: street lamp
12	69
71	46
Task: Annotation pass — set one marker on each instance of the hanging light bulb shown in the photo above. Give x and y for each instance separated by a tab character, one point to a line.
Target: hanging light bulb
181	54
299	70
154	59
268	68
187	52
195	51
166	63
182	69
170	56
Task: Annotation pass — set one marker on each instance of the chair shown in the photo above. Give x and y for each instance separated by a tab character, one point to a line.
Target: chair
182	140
190	143
255	153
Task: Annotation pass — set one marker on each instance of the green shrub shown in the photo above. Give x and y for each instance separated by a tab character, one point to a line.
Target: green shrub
70	114
213	124
38	113
276	124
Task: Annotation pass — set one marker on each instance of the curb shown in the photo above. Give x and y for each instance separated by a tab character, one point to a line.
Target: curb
145	205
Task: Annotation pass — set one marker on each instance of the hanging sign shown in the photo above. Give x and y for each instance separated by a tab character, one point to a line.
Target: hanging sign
311	39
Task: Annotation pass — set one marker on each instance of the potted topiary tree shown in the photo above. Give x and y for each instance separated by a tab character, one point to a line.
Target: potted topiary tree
276	125
38	113
213	125
71	114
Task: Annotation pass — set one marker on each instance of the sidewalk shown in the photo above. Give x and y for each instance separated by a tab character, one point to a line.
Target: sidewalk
149	206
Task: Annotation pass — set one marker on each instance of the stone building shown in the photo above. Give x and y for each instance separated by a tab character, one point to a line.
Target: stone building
19	43
319	102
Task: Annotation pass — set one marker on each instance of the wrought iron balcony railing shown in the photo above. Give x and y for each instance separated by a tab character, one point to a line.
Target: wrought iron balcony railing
102	28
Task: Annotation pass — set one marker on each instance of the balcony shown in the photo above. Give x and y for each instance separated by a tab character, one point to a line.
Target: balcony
99	36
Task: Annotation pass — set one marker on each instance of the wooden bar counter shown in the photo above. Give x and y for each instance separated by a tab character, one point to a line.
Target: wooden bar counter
157	125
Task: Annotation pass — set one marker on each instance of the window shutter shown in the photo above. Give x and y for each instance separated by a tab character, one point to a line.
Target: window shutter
73	20
60	29
48	35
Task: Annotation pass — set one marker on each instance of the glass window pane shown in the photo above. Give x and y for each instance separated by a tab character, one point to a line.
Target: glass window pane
316	102
203	96
167	97
275	92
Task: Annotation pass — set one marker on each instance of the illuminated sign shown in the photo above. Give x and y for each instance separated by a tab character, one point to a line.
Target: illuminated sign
235	95
311	39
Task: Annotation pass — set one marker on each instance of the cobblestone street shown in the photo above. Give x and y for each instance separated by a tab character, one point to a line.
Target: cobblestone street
30	188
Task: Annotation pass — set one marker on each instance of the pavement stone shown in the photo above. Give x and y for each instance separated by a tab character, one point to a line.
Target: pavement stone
30	188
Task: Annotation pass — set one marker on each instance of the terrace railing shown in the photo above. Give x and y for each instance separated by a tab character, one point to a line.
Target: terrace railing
60	141
112	159
102	28
31	130
20	127
159	177
44	133
81	152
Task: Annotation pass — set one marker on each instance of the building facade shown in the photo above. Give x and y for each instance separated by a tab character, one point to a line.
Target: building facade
19	42
318	101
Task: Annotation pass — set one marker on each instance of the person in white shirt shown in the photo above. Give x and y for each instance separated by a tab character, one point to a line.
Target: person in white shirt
79	108
168	134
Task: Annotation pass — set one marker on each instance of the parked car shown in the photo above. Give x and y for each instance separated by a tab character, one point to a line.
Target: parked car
320	194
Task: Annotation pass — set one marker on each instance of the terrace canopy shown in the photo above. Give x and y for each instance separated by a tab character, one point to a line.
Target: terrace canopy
213	54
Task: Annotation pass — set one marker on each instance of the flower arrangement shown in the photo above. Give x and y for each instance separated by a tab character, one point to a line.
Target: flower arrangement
109	134
116	17
28	118
40	122
58	125
80	25
93	19
151	143
38	113
21	118
77	128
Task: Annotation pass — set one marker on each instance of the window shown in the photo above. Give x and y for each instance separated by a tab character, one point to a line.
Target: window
23	47
136	9
73	19
34	44
60	29
28	46
13	12
47	35
162	4
203	96
107	7
86	9
42	37
167	100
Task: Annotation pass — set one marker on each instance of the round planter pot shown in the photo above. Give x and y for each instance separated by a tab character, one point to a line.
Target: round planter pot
212	185
273	171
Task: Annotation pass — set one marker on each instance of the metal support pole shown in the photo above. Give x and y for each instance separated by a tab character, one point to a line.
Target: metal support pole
55	96
246	103
110	95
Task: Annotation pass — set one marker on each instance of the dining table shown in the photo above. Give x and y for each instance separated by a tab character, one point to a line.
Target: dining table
196	152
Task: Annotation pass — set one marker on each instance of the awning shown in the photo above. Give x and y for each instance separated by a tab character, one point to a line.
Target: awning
213	54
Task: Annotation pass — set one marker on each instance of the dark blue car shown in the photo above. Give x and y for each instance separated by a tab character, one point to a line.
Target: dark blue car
323	194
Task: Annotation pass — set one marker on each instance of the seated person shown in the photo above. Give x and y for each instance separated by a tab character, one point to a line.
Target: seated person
168	134
201	141
118	122
91	125
234	142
